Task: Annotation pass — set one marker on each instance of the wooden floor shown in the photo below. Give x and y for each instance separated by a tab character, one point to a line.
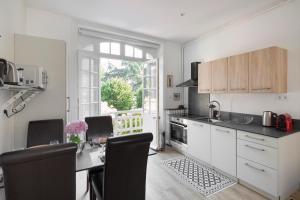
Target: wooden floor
163	186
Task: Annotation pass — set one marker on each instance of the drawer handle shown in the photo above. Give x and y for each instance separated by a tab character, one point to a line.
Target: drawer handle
258	169
201	125
251	147
255	138
224	131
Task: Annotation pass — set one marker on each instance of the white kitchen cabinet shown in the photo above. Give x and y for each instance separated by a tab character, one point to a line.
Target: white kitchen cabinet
258	175
269	164
223	149
199	141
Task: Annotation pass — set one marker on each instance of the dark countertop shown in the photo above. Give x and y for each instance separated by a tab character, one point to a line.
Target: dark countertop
252	128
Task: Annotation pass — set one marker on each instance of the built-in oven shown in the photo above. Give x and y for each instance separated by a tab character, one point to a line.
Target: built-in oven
178	130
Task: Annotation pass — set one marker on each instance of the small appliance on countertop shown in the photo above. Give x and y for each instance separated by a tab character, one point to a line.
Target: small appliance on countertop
269	119
3	71
12	76
284	123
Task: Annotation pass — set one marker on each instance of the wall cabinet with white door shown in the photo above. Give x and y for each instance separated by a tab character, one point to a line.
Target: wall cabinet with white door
223	149
199	141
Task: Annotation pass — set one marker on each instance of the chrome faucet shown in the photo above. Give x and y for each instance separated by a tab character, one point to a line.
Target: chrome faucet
211	107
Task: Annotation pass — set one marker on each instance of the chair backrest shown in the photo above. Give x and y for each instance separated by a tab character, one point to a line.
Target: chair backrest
126	166
43	131
41	173
98	126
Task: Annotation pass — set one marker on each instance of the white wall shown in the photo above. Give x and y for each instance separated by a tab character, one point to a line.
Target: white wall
55	26
278	27
51	25
12	19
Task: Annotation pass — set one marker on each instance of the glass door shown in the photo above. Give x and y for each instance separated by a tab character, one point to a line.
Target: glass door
150	100
89	86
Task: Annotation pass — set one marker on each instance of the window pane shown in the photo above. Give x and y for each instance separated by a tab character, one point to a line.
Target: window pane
94	66
84	111
115	48
84	81
138	53
94	109
149	56
104	47
94	80
84	94
94	95
128	51
85	64
89	47
147	82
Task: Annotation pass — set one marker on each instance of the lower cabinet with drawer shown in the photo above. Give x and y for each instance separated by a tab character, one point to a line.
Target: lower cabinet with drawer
269	164
223	149
257	175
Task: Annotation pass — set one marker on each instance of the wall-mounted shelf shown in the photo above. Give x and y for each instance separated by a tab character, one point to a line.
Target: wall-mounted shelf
18	102
17	88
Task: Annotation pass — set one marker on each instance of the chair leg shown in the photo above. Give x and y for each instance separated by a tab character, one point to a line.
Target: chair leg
87	182
92	194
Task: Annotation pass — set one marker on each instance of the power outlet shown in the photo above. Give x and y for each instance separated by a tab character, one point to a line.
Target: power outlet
282	97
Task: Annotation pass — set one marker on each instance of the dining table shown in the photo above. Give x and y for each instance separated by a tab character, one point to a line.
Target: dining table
90	158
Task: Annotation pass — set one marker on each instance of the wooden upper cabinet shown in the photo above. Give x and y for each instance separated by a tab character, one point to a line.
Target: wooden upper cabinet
268	70
219	75
238	73
204	78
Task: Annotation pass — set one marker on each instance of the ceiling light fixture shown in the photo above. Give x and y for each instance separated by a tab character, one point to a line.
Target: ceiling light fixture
182	14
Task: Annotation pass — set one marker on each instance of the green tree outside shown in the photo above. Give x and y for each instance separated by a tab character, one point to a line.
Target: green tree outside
131	75
118	94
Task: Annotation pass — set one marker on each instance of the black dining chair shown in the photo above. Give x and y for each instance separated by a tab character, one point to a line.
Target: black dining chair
98	127
44	131
124	174
40	173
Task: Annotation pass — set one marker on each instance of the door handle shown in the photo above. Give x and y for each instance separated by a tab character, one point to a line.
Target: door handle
68	104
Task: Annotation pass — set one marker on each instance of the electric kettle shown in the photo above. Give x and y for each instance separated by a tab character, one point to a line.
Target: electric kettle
269	119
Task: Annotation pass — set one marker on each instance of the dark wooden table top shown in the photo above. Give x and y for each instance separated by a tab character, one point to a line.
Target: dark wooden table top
89	158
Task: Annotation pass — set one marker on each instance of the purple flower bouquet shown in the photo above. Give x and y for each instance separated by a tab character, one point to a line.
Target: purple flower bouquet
74	130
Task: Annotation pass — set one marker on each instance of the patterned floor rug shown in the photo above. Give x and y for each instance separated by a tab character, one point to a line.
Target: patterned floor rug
202	178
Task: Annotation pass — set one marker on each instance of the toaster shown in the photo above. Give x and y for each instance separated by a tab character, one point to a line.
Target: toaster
284	122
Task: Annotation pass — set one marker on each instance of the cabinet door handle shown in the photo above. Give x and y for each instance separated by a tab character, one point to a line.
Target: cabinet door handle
237	89
204	90
255	138
224	89
221	130
261	89
251	147
256	168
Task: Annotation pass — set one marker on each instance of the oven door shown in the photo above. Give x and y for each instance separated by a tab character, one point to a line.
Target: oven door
178	132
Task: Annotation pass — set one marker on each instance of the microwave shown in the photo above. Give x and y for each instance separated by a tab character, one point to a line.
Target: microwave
32	76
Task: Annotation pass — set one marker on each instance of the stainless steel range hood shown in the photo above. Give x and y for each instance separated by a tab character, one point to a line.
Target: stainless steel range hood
193	81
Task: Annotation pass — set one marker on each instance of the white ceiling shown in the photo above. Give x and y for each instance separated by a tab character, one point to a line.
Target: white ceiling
159	18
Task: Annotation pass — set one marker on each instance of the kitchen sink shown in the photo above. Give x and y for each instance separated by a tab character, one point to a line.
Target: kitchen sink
207	119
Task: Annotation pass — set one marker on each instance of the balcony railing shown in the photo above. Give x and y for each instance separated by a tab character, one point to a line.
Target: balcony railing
126	122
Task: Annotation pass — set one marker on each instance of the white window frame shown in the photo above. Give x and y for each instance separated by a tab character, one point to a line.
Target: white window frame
96	55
